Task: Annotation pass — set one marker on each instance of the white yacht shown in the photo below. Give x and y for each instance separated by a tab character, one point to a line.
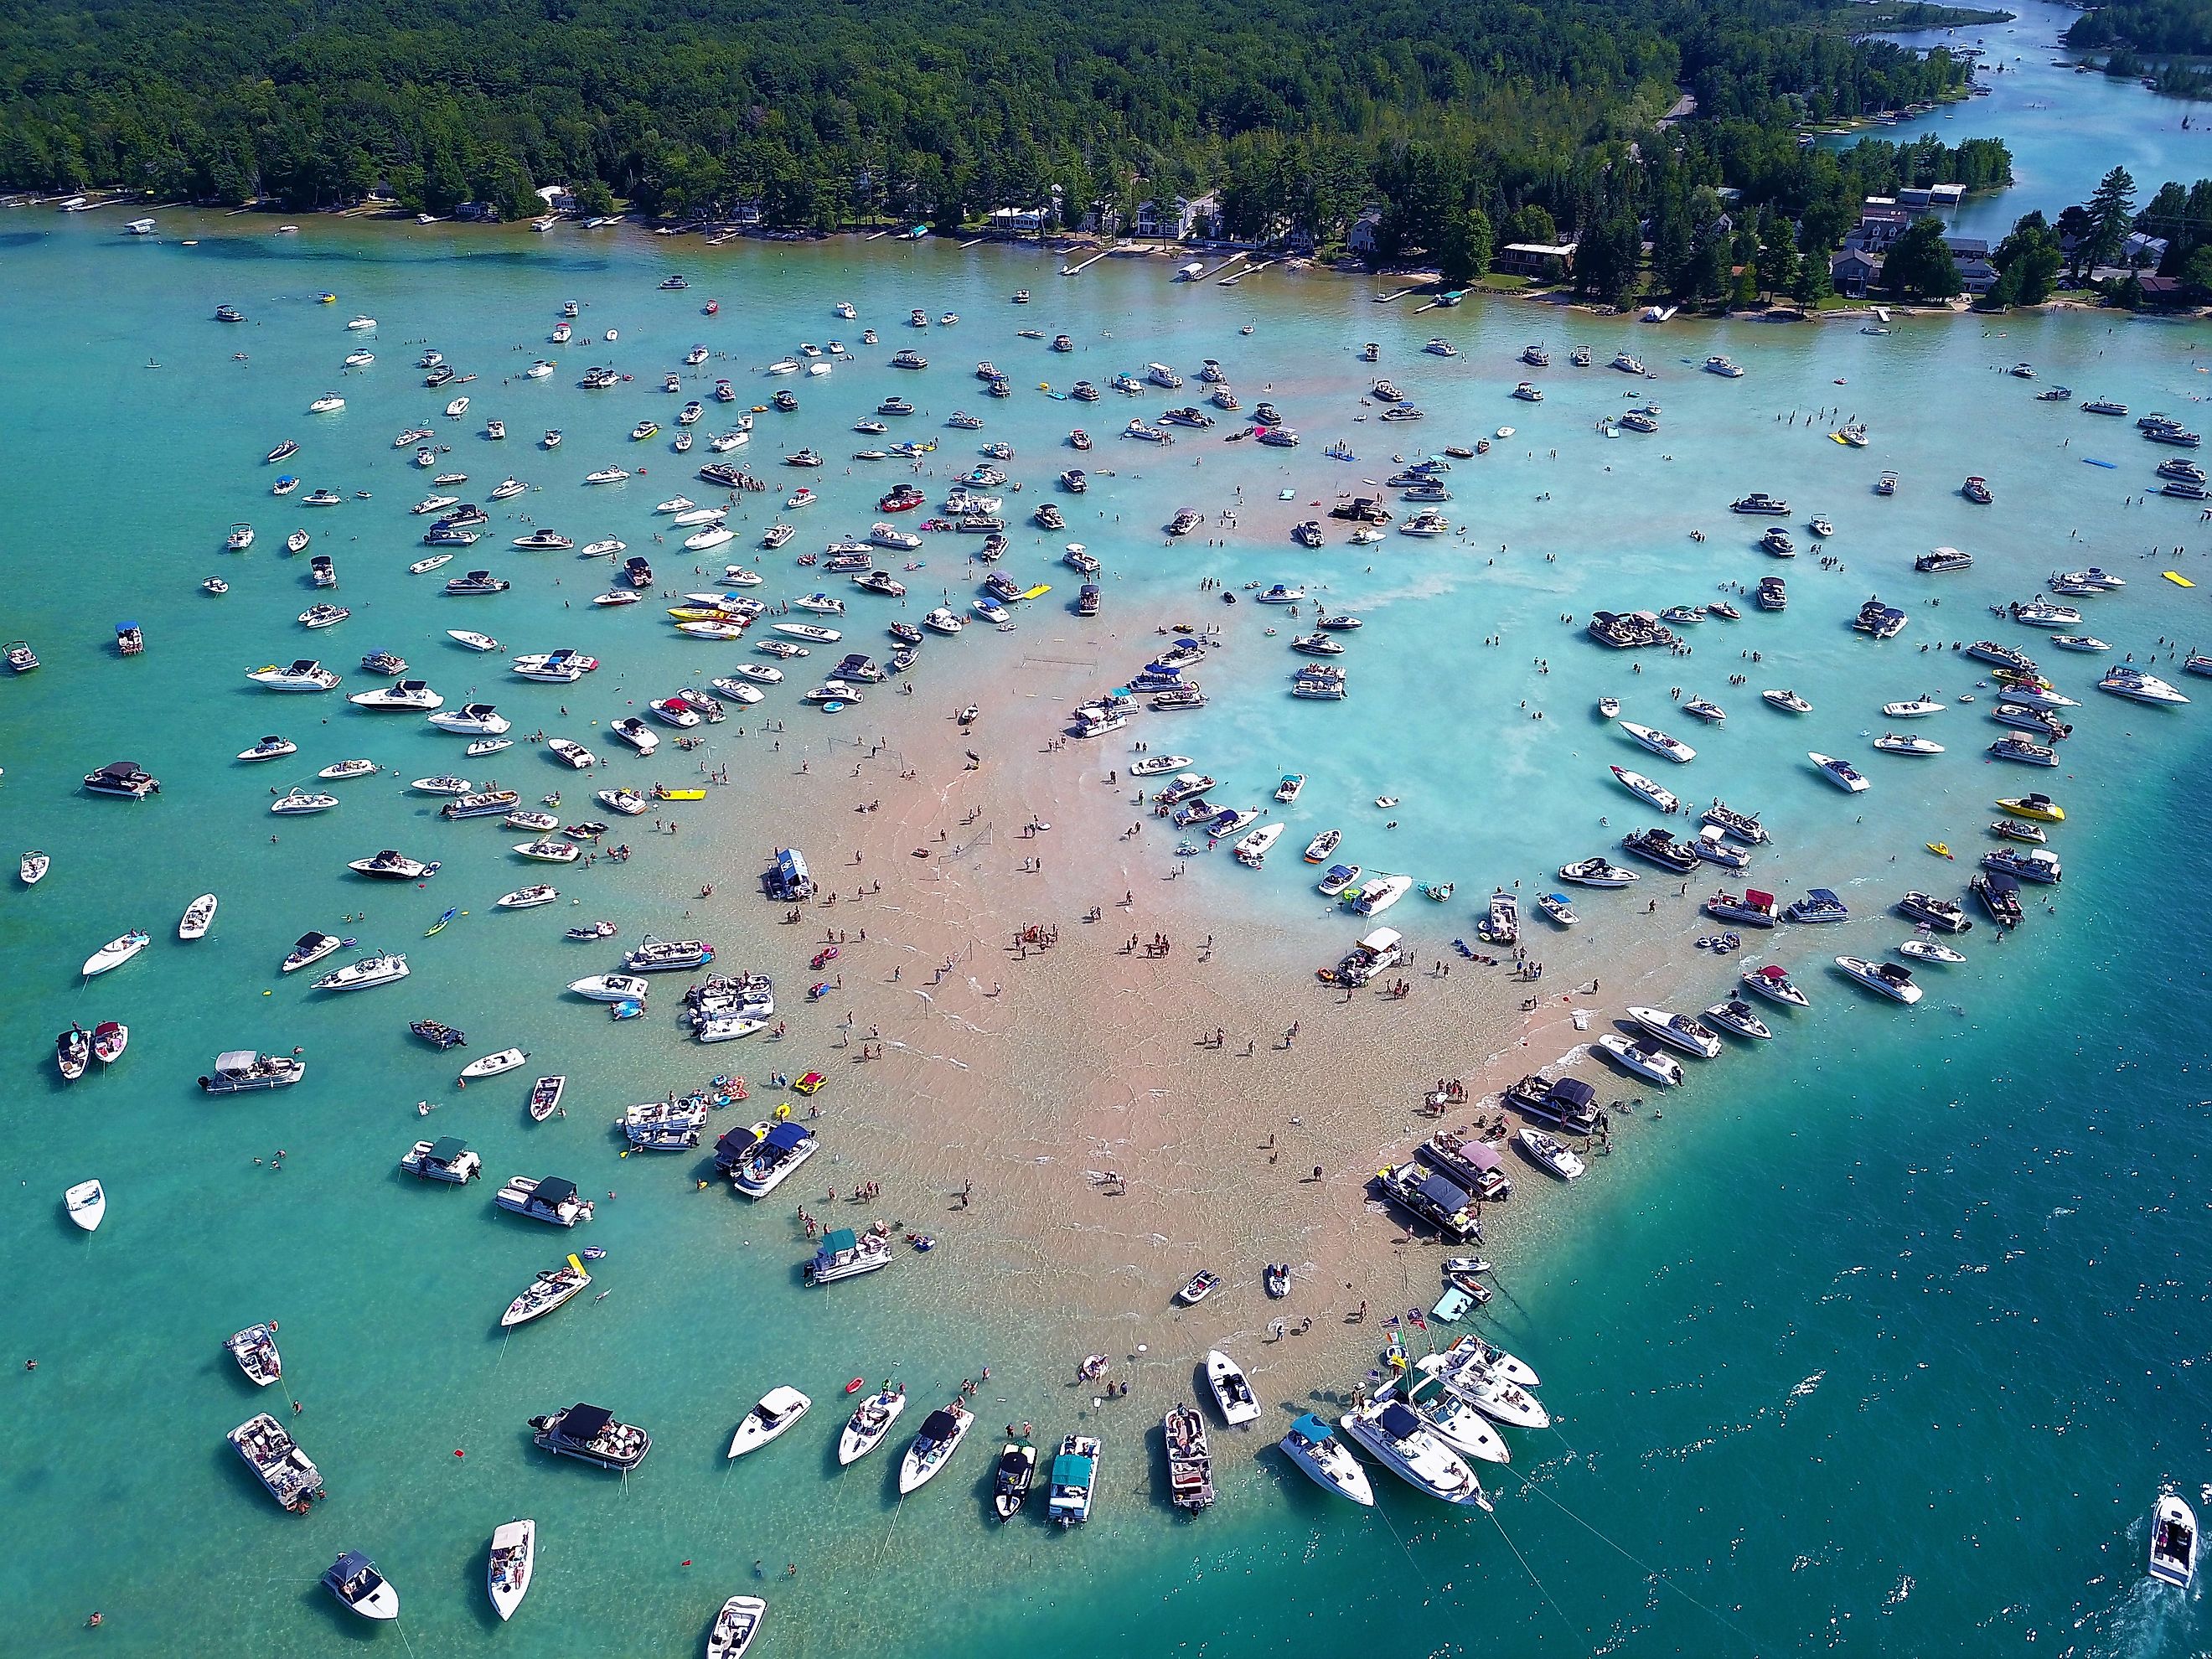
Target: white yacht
1915	708
1393	1433
304	674
1549	1154
1840	773
1887	977
772	1419
1678	1031
2126	680
383	968
403	696
1772	981
1636	784
1653	1065
1326	1460
1659	742
472	719
610	988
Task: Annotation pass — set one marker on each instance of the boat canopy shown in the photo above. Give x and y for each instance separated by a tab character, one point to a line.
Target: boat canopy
1480	1155
554	1191
1765	901
243	1059
1572	1091
1398	1422
840	1239
792	879
789	1137
1071	1470
1997	881
1311	1427
1382	939
584	1423
734	1147
123	769
940	1425
126	627
1444	1193
1825	896
446	1148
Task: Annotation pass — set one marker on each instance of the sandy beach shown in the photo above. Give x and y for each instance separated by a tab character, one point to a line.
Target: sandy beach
997	1049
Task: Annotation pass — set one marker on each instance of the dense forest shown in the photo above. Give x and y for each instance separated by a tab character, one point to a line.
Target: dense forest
825	111
2156	26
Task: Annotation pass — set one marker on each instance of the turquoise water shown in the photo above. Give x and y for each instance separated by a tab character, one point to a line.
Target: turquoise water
2065	130
1881	1340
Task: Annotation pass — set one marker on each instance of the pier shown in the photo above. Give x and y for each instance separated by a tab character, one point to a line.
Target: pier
1385	299
1077	270
1207	276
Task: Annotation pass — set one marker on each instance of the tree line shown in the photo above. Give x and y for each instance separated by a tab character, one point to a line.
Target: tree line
1298	112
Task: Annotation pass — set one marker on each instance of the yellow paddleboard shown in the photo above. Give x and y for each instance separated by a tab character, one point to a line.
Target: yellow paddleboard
2177	579
1038	592
679	794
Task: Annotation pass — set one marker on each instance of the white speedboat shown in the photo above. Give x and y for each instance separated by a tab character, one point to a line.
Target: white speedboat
1597	873
1928	950
610	988
406	696
117	951
550	1289
1678	1031
1232	1392
87	1203
870	1421
779	1408
382	968
473	640
1659	742
507	1060
513	1554
1456	1420
31	867
1772	981
1896	742
1653	1066
478	720
391	865
354	1579
1887	977
2173	1543
1840	773
1916	708
1394	1433
1734	1014
198	917
528	898
2126	680
1326	1460
1636	784
304	674
1549	1154
942	1432
735	1626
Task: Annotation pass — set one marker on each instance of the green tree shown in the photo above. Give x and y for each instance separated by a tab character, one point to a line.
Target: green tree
594	197
1531	223
1919	264
2029	261
1813	284
1467	245
1778	262
2111	212
2197	273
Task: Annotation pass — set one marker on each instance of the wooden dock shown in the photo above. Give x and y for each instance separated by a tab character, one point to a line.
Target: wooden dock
1077	270
1385	299
1208	275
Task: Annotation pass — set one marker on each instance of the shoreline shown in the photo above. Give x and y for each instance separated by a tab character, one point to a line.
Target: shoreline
1302	266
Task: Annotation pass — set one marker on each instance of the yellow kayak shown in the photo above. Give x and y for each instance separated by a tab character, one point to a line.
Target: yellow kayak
2177	579
2034	806
1940	849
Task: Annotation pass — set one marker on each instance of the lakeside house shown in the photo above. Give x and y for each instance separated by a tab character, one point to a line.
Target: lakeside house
1542	262
1019	220
1178	219
1854	273
1364	239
